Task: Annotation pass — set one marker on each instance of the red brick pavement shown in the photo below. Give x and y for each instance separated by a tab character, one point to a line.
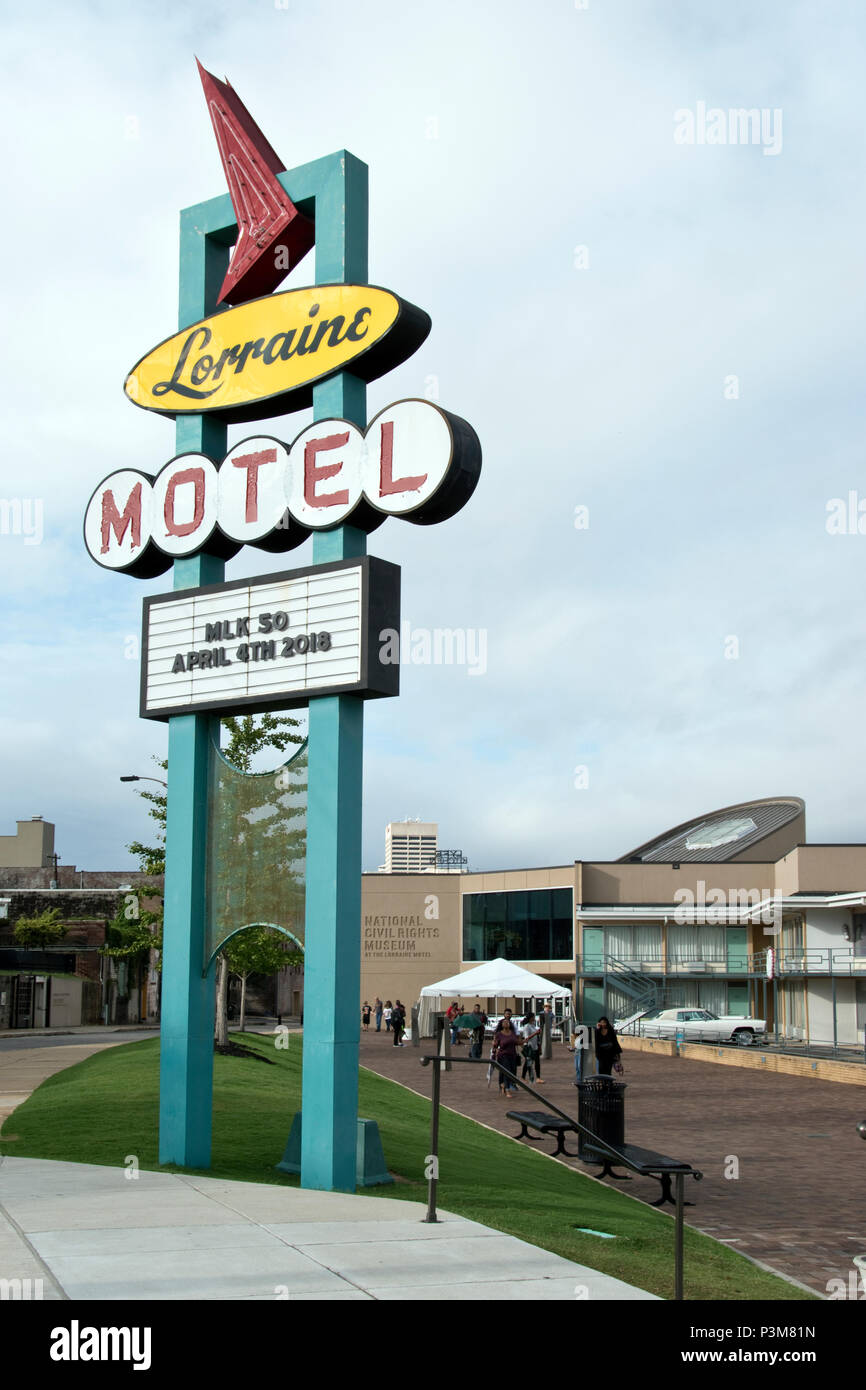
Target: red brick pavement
799	1202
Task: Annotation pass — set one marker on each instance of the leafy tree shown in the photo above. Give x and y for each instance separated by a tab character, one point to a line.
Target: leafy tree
152	857
128	937
133	937
45	930
258	951
246	738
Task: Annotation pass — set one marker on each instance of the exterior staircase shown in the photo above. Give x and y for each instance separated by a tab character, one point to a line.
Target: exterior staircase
643	991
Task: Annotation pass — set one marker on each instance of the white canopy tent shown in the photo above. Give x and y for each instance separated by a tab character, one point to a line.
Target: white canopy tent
493	979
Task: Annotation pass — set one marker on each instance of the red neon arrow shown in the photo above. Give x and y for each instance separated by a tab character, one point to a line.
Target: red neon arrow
273	236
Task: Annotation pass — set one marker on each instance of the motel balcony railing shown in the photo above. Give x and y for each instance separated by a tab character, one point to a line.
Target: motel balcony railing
816	960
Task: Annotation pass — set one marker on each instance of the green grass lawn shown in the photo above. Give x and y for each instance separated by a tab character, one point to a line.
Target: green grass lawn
106	1108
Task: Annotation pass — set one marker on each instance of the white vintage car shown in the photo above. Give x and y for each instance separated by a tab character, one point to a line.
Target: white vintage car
695	1025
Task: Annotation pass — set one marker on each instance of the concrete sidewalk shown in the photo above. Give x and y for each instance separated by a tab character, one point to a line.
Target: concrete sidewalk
96	1233
22	1070
73	1029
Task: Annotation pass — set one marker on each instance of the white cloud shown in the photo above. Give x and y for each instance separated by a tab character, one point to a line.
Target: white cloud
600	387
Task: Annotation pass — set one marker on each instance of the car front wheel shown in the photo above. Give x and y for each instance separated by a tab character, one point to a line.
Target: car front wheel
744	1037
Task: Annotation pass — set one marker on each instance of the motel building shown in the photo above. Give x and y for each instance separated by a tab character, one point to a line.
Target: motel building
732	912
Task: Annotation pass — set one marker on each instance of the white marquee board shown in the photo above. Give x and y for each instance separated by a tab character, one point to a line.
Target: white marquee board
271	643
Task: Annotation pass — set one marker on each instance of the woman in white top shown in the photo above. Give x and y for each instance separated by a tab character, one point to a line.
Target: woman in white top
531	1048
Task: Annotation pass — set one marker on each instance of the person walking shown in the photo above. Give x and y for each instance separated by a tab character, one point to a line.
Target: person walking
607	1048
531	1048
386	1014
365	1016
504	1051
377	1010
544	1024
546	1020
454	1012
398	1019
477	1045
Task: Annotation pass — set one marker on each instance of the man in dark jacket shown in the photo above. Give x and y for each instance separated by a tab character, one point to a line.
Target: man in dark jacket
398	1023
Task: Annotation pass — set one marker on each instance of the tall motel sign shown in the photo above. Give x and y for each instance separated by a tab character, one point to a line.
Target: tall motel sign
245	352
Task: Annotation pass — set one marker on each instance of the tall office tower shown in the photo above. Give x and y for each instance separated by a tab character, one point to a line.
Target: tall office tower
410	846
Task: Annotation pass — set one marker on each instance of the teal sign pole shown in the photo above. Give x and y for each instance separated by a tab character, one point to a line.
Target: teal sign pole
332	965
333	192
188	995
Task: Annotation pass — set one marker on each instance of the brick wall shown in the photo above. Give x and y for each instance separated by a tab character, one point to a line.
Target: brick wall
68	877
72	906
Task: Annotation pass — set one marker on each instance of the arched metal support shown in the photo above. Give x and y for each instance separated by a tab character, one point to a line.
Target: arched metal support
248	926
272	772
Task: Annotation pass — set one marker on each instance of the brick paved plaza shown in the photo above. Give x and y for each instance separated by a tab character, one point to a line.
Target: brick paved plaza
798	1204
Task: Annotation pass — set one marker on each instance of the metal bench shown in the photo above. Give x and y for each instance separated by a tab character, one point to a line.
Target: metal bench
547	1123
645	1162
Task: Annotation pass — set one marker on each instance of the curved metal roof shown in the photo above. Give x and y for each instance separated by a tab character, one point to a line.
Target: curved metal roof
720	835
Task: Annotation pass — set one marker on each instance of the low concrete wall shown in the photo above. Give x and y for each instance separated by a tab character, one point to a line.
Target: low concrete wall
850	1073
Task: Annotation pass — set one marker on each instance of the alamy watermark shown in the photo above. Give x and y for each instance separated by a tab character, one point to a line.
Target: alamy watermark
77	1343
438	646
853	1288
22	516
846	516
719	905
735	126
22	1290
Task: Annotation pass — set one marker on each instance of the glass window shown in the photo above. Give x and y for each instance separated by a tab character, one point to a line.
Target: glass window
792	936
539	924
648	944
618	942
704	943
524	925
516	919
494	926
562	934
473	927
793	1010
712	995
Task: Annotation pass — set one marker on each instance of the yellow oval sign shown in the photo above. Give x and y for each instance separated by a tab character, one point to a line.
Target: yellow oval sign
262	358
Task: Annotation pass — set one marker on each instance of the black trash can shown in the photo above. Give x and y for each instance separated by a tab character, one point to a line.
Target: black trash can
601	1108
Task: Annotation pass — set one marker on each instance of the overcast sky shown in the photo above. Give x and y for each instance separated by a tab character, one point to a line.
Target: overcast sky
669	334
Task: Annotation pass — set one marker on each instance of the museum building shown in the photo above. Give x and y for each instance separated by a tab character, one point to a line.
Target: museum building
731	911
